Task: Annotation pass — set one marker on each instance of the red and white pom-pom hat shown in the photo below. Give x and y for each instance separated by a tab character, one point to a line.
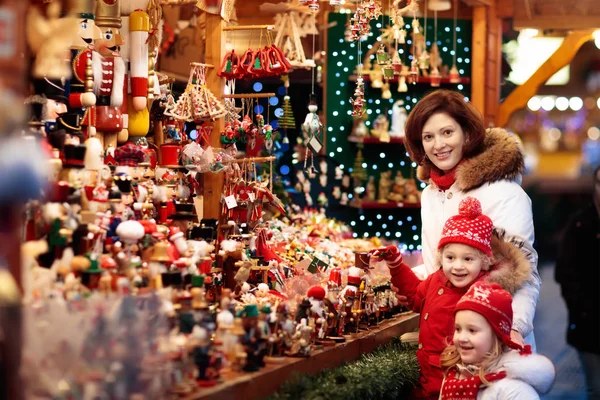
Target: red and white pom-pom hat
316	292
469	227
495	305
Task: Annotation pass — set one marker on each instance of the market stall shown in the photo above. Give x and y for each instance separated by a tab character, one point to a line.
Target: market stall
207	186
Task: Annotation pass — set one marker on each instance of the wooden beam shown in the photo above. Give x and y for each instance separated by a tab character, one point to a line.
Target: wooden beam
505	9
213	183
478	58
561	57
479	3
559	22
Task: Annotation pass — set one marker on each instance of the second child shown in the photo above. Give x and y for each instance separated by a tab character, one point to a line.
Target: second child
464	256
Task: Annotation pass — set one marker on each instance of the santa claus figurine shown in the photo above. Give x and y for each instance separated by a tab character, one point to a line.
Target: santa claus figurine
316	295
109	74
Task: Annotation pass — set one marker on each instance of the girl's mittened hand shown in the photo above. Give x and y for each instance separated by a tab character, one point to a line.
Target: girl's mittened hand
390	254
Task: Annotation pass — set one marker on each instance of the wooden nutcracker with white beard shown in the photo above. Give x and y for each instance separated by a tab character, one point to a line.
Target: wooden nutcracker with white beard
80	87
109	74
135	29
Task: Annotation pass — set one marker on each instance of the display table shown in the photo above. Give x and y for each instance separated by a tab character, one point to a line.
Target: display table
267	381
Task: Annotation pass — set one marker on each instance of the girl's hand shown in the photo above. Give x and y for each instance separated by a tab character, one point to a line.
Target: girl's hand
390	254
516	337
402	300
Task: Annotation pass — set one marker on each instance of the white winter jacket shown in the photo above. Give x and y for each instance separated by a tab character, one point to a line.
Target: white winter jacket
527	377
493	178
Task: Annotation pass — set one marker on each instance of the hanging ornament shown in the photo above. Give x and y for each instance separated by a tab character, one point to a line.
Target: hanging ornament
402	87
358	102
382	55
313	131
453	74
386	93
416	26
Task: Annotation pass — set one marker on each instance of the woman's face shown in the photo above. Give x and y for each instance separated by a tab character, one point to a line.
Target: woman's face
443	141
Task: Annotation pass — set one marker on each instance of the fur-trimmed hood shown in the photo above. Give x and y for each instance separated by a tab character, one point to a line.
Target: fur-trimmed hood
533	369
511	268
501	158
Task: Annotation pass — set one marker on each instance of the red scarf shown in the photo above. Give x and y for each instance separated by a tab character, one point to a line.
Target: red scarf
465	388
443	180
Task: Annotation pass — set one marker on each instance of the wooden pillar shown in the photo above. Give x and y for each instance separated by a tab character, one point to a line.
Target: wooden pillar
478	58
493	64
215	51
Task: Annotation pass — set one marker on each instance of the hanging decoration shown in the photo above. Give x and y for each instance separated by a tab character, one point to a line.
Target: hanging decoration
435	60
254	64
197	102
423	57
291	26
453	74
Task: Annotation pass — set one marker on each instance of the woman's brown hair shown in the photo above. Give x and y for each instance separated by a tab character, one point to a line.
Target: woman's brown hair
453	104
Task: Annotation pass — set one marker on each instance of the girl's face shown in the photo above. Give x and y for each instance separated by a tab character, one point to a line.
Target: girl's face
473	336
461	264
443	141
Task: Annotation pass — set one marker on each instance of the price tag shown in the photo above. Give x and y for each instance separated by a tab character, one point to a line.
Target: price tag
315	145
230	202
317	265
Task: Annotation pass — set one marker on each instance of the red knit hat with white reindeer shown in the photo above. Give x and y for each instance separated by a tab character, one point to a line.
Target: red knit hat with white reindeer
495	305
469	227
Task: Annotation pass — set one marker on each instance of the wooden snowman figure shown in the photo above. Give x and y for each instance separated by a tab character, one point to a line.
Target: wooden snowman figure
135	28
109	74
399	118
80	87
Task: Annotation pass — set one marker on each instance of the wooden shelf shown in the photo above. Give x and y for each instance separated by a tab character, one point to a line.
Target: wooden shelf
374	140
420	80
265	382
379	205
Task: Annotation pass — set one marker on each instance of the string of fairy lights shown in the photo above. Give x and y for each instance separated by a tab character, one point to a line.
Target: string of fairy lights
402	224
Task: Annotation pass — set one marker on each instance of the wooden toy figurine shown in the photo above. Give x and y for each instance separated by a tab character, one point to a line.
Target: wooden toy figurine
109	74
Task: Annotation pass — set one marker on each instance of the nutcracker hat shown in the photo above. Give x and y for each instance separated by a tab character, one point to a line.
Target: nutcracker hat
70	123
469	227
74	156
354	276
316	292
249	310
46	88
495	305
184	211
123	182
129	155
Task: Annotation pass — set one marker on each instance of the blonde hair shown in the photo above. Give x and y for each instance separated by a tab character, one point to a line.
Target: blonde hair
486	261
450	358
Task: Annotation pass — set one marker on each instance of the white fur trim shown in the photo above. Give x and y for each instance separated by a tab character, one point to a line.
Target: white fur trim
97	71
116	96
534	369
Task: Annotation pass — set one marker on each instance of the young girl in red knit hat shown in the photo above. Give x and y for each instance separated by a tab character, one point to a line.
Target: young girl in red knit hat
483	362
468	251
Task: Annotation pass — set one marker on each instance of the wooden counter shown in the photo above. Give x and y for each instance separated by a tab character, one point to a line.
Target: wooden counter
267	381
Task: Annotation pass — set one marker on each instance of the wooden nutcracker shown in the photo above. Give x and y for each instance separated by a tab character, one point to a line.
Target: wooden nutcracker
79	88
109	74
135	30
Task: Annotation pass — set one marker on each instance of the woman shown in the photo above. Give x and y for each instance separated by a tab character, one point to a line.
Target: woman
458	157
